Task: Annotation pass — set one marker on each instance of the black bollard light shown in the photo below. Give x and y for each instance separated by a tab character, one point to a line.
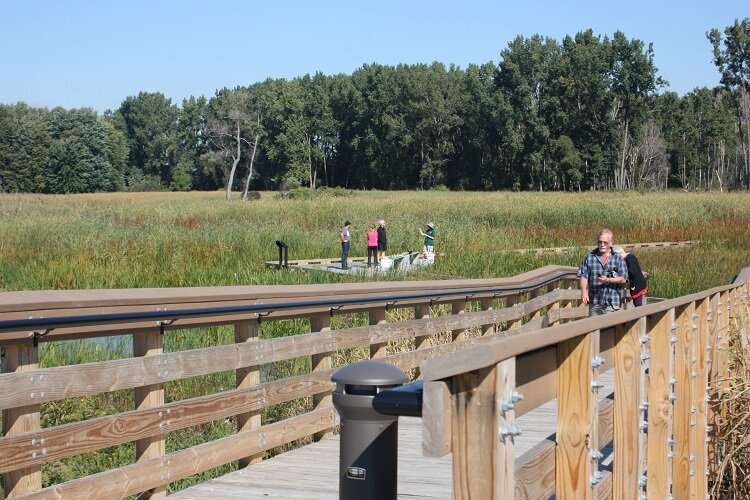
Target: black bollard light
282	246
368	451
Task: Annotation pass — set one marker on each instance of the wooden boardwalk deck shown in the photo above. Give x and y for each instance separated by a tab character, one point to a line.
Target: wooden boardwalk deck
311	472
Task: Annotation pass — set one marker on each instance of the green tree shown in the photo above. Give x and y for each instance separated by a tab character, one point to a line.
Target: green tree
24	146
78	160
634	81
149	121
733	61
232	129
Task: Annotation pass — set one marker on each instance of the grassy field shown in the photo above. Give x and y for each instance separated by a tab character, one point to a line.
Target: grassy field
200	239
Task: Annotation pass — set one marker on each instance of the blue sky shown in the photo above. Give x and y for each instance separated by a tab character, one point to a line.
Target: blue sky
96	53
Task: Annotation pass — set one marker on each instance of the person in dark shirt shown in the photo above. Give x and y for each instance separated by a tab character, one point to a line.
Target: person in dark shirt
382	240
636	280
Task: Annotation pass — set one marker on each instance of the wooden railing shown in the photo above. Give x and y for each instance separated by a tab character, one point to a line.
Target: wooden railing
480	311
669	359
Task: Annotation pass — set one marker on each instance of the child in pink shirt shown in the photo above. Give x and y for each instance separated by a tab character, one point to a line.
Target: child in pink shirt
372	245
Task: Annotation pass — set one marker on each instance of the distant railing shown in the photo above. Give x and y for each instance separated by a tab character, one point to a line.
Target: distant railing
669	359
480	311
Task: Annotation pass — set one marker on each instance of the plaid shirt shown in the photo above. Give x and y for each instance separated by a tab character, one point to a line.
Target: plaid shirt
591	268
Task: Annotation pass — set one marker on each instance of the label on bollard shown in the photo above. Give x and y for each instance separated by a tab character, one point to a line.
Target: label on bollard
355	473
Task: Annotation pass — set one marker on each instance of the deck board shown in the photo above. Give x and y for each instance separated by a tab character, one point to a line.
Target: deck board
311	472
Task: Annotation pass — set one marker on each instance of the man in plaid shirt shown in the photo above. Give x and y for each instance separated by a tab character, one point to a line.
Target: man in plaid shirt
601	276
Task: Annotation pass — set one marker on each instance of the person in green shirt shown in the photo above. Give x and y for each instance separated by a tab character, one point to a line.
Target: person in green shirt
429	238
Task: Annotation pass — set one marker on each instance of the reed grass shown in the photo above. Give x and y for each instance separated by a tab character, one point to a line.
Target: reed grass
731	479
129	240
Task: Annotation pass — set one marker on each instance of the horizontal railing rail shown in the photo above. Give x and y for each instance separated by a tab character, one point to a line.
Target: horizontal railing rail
407	326
49	323
669	360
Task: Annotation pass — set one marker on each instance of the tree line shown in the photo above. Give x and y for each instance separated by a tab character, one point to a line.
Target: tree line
584	113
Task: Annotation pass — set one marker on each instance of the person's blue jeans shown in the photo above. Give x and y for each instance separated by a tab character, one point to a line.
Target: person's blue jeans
345	255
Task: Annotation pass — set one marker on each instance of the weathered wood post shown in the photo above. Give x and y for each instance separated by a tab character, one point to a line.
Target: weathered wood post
247	377
322	362
151	396
20	358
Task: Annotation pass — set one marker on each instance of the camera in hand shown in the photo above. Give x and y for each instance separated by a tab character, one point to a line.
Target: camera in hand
608	274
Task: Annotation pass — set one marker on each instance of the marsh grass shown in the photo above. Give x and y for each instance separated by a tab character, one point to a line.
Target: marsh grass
130	240
733	430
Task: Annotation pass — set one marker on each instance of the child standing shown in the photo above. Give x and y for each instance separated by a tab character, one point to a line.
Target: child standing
372	245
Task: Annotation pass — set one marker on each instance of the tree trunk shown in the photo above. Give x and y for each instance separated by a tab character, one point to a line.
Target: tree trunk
250	172
235	161
620	178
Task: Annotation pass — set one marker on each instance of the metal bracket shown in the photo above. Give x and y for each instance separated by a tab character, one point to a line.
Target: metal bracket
262	315
163	323
35	336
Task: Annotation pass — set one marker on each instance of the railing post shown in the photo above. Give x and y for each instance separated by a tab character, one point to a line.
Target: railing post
505	422
682	463
628	401
322	362
538	293
473	433
699	422
556	305
712	385
573	471
661	370
377	316
421	311
511	301
150	396
247	377
488	305
19	358
457	308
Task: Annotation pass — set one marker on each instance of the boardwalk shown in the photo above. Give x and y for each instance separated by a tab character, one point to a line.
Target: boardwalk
311	472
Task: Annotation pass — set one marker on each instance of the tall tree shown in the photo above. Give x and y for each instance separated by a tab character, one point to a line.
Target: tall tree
634	81
149	122
232	129
733	61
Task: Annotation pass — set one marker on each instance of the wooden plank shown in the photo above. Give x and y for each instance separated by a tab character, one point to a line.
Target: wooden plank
23	420
322	362
594	444
554	307
147	397
379	350
503	348
105	376
505	420
103	432
627	401
156	473
514	302
458	308
488	305
659	405
536	378
421	311
712	385
535	469
699	422
247	378
436	418
683	402
473	433
573	411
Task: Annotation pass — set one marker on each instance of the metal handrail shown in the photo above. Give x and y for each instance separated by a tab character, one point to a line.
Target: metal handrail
50	323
